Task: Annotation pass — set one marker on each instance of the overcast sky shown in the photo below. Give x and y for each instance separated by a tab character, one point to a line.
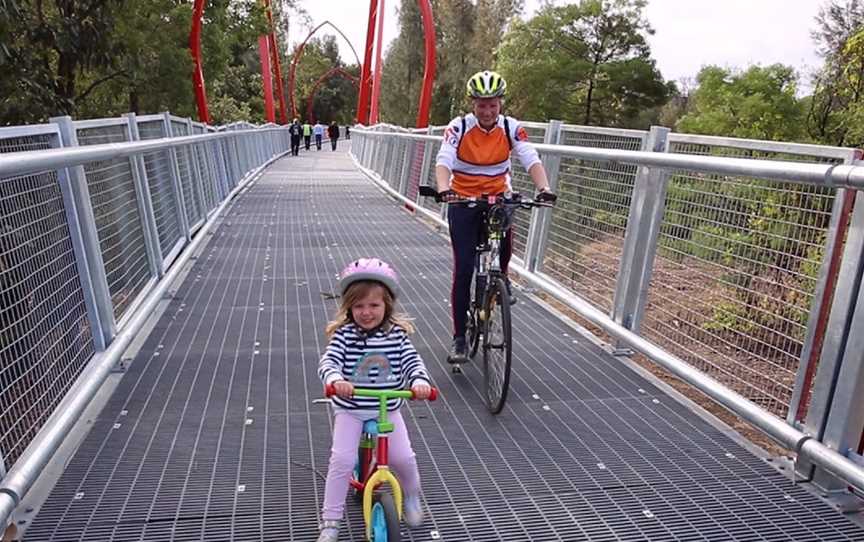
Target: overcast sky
689	33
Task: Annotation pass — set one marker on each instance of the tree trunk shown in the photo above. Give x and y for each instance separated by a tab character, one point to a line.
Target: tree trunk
134	102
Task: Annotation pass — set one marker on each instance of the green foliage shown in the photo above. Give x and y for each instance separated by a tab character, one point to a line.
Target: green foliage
759	103
105	57
336	97
834	111
595	67
467	34
757	231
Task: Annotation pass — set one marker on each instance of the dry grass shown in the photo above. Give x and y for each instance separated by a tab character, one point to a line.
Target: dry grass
760	375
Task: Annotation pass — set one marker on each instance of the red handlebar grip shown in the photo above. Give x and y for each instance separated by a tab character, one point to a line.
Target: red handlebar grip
329	390
433	394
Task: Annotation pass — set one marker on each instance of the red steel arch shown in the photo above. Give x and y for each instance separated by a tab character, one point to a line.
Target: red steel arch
363	108
330	73
299	52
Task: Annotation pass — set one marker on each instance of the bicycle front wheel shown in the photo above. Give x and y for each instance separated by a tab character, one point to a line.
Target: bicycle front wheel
385	520
497	345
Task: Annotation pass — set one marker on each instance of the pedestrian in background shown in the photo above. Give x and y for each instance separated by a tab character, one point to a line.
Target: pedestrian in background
318	130
333	132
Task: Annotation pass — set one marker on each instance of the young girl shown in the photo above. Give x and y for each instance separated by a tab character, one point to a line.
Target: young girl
369	347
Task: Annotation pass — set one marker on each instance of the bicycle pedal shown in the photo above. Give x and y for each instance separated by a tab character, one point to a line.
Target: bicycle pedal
456	369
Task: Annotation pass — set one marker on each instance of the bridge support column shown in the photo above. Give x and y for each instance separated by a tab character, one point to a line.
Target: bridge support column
647	205
85	242
835	415
538	230
182	217
145	202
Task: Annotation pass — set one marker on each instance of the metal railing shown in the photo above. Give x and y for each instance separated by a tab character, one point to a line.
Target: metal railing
711	254
95	219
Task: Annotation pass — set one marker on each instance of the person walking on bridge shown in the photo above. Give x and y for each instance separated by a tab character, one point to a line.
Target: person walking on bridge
333	134
307	134
295	130
474	160
318	130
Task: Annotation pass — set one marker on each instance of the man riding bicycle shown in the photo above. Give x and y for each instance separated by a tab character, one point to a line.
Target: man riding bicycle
474	160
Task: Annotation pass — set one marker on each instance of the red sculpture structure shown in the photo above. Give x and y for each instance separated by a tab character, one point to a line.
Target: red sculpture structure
366	77
299	53
268	50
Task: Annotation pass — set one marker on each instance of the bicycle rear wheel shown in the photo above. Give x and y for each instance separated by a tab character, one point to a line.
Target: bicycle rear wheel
497	345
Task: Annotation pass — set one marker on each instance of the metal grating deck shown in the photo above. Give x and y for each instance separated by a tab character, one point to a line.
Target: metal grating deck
213	433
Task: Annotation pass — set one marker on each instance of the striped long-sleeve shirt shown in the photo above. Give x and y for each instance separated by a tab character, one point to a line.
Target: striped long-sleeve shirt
384	360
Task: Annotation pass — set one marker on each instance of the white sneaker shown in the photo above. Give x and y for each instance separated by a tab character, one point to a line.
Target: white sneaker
413	511
329	531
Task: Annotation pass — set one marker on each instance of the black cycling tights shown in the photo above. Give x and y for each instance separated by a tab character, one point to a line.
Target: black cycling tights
465	228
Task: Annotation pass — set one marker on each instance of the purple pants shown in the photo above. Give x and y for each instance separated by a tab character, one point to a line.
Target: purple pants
343	456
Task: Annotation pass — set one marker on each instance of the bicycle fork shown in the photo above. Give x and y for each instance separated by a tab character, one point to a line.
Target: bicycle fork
381	475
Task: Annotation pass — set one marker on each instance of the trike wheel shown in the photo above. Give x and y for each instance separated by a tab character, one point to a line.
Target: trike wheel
497	343
385	520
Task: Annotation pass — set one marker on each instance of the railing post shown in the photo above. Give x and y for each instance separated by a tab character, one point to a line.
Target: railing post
647	205
823	295
845	421
538	229
176	180
425	165
145	201
833	414
85	242
197	180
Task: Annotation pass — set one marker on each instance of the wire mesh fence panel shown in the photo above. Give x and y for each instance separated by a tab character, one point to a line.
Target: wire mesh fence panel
45	336
401	151
735	272
194	206
434	147
208	176
118	221
521	182
415	169
586	234
160	181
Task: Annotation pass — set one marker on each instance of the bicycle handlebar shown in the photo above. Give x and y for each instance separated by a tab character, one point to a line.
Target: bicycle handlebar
515	200
330	390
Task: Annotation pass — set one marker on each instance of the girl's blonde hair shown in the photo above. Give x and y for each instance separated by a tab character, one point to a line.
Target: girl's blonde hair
357	291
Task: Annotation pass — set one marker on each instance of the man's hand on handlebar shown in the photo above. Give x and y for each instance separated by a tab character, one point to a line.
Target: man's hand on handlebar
446	196
546	196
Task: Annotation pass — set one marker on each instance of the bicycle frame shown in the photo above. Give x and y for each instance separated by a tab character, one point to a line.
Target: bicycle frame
371	478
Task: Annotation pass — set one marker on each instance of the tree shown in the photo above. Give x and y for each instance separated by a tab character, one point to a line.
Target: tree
336	97
467	36
838	93
595	67
47	46
84	59
759	103
402	74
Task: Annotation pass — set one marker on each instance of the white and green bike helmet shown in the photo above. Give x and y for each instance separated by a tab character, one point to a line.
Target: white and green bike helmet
486	84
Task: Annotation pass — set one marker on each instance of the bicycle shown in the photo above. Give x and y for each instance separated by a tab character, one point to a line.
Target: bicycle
382	510
489	310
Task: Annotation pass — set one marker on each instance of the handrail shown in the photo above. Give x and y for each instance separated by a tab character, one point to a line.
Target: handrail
22	163
840	176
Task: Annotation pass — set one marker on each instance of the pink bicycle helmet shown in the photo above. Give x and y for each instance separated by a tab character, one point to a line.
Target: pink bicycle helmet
369	269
